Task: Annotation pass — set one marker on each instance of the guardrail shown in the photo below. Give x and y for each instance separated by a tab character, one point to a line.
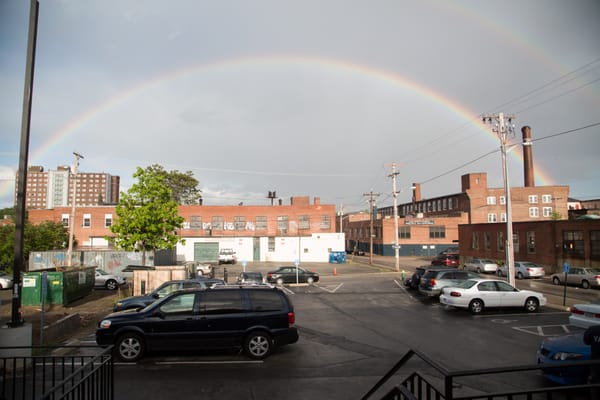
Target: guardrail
65	372
415	386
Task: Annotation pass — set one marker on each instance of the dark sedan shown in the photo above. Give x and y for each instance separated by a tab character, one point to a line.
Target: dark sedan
289	274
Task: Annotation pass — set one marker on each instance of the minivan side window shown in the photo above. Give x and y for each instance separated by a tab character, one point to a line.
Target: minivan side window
182	304
221	302
265	301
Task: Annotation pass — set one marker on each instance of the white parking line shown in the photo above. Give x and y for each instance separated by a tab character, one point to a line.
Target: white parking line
208	362
326	288
538	330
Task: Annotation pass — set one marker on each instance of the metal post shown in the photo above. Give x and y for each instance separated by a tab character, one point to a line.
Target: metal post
16	317
395	195
72	220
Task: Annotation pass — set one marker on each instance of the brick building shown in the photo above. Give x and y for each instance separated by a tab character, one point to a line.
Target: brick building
548	243
54	188
297	231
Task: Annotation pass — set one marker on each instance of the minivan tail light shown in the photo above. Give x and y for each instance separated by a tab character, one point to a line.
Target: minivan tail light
291	318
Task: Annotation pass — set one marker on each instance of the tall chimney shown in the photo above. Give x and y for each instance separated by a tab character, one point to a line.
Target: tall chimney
528	176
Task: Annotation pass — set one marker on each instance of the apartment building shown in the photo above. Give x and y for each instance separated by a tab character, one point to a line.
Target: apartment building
54	188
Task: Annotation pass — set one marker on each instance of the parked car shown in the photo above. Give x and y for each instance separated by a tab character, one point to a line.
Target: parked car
482	265
523	269
479	294
227	256
581	276
413	282
356	252
449	260
108	281
565	348
141	301
197	268
250	278
6	280
585	315
449	250
255	318
434	279
288	274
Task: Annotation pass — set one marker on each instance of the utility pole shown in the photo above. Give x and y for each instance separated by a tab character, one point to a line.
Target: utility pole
341	217
72	220
395	195
371	201
502	125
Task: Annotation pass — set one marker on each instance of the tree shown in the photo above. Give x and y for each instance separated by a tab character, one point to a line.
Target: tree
184	187
45	236
147	215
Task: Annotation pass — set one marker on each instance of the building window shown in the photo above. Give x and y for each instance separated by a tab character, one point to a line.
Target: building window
534	212
261	223
515	242
107	220
437	232
492	217
282	224
217	223
475	241
500	240
404	232
595	244
87	220
546	198
487	240
325	222
503	217
271	243
491	200
65	219
573	244
195	222
239	222
502	200
303	222
547	211
533	199
530	242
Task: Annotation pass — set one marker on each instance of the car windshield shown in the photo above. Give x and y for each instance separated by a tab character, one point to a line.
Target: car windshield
466	284
595	271
530	265
101	272
488	262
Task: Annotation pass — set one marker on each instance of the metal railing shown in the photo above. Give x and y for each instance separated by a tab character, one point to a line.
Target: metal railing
415	386
65	372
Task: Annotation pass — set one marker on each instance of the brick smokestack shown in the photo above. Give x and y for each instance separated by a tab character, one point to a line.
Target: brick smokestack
528	176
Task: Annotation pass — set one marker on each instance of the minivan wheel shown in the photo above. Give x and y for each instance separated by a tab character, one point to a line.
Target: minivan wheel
130	347
476	306
532	304
310	280
258	345
111	284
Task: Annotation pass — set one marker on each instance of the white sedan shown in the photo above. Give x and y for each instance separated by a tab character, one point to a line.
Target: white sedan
585	315
481	265
478	294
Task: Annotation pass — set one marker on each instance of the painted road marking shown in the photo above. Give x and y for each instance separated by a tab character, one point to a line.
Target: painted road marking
327	288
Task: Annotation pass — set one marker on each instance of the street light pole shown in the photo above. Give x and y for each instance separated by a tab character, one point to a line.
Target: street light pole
503	129
395	195
371	201
72	220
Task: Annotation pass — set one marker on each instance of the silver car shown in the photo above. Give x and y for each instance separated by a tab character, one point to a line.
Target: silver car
523	269
481	265
585	277
6	280
108	281
434	279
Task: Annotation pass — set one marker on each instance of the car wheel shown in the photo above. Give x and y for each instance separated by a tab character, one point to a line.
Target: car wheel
585	284
556	281
111	284
519	275
498	272
199	272
310	280
532	304
476	306
279	281
258	345
478	270
130	347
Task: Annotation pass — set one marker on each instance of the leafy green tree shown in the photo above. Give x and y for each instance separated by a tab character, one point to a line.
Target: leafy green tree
183	185
43	237
147	215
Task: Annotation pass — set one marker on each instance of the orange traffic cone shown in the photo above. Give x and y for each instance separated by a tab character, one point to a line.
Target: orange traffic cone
334	271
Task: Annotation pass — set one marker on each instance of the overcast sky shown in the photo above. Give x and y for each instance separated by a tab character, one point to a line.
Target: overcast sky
306	98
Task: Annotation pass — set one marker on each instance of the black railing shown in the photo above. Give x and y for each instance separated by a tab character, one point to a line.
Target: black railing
67	372
416	386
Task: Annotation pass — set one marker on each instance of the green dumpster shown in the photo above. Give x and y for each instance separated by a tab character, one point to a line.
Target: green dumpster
62	287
